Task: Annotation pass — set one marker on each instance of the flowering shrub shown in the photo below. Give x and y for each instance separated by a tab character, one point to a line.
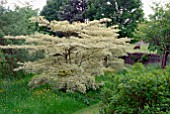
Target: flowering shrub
73	61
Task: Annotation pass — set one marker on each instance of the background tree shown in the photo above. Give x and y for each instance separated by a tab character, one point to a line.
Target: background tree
15	22
125	13
73	11
72	62
50	10
156	31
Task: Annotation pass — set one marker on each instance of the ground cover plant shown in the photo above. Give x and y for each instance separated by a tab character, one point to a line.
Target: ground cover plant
139	90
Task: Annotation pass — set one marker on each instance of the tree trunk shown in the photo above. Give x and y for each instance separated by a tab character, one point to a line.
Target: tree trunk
164	58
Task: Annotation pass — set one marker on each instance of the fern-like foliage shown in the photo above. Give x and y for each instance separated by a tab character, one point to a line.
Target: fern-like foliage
73	61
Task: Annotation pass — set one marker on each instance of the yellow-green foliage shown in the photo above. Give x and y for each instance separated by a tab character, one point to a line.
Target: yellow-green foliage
72	62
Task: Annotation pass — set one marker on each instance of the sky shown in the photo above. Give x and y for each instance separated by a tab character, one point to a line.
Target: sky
40	3
148	3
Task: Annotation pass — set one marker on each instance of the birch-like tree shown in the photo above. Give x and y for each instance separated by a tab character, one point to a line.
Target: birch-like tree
73	61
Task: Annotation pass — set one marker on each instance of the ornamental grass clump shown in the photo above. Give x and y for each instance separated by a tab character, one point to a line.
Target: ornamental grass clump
72	62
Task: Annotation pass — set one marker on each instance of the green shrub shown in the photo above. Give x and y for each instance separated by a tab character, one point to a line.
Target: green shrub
138	91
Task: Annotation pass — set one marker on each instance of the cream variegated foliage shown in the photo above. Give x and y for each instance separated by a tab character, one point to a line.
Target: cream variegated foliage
72	62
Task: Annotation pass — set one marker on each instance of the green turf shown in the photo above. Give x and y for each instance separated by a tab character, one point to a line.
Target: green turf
17	98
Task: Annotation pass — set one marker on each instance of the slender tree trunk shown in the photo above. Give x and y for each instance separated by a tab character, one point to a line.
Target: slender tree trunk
164	58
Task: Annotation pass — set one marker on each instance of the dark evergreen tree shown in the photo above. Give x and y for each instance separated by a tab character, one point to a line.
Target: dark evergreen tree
73	11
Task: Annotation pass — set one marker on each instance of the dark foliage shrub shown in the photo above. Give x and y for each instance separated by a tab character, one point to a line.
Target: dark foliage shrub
144	58
138	91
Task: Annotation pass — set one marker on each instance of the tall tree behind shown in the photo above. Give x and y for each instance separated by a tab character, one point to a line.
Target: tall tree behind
125	13
73	11
50	10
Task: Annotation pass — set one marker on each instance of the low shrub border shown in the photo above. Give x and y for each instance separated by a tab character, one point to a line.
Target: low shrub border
138	91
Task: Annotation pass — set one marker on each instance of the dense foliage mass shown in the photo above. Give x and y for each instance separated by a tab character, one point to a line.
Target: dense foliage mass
16	21
139	90
72	62
50	10
70	10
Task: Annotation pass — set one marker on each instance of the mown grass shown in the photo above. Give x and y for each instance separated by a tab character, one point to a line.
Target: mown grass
17	98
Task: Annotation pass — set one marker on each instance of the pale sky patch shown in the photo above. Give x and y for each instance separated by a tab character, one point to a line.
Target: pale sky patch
38	4
148	3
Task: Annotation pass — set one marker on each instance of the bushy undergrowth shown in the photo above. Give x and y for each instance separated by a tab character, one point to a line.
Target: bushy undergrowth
139	90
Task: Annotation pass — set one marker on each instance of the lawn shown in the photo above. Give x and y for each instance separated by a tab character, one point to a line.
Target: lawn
17	98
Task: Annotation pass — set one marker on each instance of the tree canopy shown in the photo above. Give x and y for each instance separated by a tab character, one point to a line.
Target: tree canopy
70	10
50	10
125	13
